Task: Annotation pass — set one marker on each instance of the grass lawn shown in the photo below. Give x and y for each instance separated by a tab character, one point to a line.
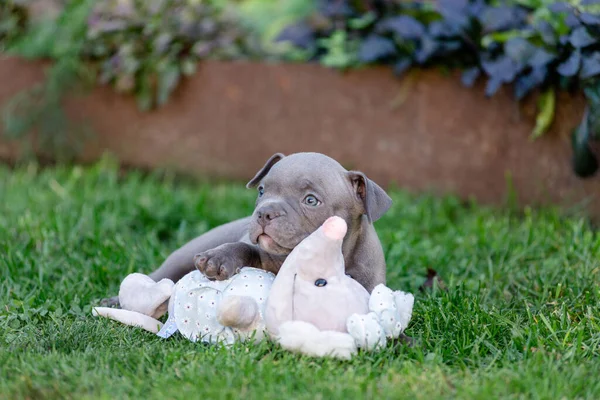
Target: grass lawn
521	318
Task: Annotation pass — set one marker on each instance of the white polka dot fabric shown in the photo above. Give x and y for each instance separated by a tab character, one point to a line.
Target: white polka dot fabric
196	301
390	313
366	331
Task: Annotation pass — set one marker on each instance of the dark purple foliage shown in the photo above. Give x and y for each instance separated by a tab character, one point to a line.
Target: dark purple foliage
301	34
402	66
404	34
560	6
404	26
581	38
590	66
375	48
469	76
529	81
522	51
590	19
571	66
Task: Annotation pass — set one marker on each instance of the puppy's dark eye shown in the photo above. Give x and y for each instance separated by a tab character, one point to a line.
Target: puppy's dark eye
311	200
261	191
320	282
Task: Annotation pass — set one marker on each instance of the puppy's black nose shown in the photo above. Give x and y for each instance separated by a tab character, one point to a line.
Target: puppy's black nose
268	213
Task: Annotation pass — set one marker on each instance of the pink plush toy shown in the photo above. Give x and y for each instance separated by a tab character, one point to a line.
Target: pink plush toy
316	309
311	306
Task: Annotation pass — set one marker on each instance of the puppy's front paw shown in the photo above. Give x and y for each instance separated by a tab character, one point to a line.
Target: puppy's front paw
220	263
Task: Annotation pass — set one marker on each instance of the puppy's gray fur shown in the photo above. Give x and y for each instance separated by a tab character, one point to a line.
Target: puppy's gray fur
297	194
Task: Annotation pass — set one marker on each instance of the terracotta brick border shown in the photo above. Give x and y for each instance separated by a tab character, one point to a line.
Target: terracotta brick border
424	132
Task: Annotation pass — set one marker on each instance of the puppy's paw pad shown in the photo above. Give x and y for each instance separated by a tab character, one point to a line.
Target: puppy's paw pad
215	264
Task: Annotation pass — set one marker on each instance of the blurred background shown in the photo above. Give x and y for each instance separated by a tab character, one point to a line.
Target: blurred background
492	100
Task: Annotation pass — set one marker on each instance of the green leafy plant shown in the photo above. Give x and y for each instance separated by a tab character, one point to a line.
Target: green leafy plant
148	47
140	47
340	52
13	20
38	112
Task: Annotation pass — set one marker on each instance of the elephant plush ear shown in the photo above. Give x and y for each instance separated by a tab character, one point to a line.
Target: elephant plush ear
375	200
264	170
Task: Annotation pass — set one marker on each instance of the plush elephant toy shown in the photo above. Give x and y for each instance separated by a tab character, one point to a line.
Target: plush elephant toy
311	307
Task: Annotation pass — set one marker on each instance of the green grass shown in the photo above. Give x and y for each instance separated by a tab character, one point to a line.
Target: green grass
520	318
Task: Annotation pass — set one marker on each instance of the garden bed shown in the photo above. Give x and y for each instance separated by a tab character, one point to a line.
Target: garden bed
422	132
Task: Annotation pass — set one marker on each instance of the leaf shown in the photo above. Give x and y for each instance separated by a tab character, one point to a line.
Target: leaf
427	50
202	49
454	11
144	94
188	67
404	26
492	86
585	163
590	66
374	48
502	18
168	78
402	66
525	83
589	2
336	9
519	50
581	38
475	7
300	35
546	107
503	68
560	7
443	29
546	32
469	76
592	94
589	19
571	66
563	39
502	37
572	21
162	42
363	21
453	5
450	46
540	58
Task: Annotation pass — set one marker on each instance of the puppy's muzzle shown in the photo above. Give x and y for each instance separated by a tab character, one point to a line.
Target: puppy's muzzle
268	212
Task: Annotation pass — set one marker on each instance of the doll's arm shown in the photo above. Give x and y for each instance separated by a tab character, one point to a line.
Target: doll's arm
131	318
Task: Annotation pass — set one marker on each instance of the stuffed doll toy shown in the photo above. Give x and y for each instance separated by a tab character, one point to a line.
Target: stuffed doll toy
311	307
316	309
199	308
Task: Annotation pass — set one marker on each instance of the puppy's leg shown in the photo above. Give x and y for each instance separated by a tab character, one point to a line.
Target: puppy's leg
181	261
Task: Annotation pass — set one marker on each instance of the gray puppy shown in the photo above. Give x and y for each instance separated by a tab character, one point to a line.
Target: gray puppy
296	194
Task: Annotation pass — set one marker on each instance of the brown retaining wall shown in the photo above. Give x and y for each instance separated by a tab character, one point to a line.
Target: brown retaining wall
424	132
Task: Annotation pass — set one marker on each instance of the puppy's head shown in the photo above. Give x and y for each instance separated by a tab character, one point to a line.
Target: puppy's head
297	193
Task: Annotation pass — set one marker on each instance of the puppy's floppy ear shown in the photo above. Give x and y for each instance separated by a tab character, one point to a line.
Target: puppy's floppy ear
264	170
375	200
